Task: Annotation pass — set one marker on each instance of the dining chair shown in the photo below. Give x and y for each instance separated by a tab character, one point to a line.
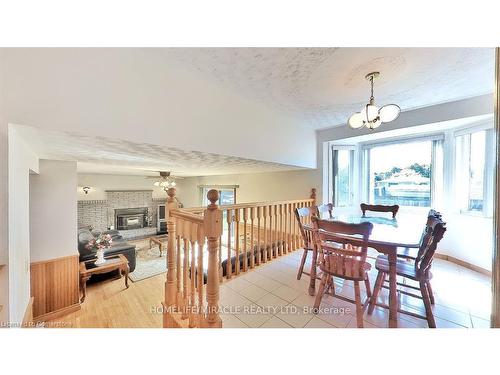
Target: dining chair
379	208
343	255
302	215
320	210
412	252
419	271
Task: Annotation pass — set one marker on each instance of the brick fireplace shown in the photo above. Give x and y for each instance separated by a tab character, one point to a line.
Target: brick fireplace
102	214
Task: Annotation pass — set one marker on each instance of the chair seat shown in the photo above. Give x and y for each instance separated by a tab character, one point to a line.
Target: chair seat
403	268
349	269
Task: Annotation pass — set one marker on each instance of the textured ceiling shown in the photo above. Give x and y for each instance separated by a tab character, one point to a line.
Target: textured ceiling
114	156
323	86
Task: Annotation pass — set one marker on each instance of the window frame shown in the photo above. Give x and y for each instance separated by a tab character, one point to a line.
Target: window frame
463	195
219	188
332	178
367	193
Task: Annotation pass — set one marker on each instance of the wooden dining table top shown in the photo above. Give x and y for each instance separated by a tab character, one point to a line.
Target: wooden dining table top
404	231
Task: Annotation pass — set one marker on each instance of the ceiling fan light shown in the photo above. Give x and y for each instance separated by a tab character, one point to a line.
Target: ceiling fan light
173	184
156	183
356	121
389	112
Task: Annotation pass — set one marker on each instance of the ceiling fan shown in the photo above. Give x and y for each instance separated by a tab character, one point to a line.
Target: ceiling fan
166	180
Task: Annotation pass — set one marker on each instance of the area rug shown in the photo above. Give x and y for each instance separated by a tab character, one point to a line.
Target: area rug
149	263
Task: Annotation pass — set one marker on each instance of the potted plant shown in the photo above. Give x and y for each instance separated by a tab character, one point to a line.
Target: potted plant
98	245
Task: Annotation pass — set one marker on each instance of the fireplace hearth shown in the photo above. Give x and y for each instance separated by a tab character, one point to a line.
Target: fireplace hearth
131	218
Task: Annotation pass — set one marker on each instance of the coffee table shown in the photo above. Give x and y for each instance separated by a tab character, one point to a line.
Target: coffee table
89	268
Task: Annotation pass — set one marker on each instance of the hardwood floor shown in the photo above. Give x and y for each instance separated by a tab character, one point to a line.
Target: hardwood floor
110	305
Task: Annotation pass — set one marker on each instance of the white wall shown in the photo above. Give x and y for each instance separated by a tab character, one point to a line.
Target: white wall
99	183
21	161
140	95
256	187
53	226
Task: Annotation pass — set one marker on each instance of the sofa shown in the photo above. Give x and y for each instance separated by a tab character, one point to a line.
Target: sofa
118	246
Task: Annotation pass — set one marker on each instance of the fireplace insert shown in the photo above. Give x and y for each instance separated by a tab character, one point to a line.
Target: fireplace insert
131	218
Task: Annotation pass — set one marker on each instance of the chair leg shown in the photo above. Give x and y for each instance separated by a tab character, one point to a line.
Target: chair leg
431	294
427	304
302	263
321	291
367	287
359	306
332	284
378	285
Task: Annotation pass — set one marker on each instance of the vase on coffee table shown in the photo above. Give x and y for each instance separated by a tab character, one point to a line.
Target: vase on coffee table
100	256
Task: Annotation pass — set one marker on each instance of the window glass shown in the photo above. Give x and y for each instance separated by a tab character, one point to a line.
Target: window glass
476	170
401	174
342	181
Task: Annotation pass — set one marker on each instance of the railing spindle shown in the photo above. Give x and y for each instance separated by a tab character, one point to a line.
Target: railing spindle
245	234
200	273
192	274
252	244
237	239
265	211
229	268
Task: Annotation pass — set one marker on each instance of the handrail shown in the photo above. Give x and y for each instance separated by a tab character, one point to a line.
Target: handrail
202	250
180	213
249	204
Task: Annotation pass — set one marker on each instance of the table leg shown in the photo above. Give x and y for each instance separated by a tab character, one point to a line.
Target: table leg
83	288
393	297
127	270
312	273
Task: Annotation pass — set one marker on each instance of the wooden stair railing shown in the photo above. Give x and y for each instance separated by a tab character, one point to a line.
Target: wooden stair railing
191	294
207	244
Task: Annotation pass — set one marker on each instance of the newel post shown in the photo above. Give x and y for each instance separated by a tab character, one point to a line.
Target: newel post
213	232
170	284
313	196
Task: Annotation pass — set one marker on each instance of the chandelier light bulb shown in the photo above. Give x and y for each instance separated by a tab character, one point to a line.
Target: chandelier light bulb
389	112
356	121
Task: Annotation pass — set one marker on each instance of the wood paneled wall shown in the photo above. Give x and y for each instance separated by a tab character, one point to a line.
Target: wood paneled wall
55	287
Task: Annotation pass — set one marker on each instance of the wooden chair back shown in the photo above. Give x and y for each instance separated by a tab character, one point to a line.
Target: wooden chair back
434	232
379	208
320	210
304	216
343	246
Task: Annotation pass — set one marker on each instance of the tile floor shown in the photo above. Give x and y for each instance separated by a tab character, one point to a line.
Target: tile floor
270	296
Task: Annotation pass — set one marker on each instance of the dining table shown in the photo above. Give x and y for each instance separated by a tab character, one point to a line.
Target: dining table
387	236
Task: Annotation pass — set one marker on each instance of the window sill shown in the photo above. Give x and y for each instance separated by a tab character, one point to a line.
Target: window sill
475	214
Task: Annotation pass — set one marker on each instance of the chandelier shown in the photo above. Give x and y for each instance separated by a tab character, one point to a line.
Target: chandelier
166	181
372	116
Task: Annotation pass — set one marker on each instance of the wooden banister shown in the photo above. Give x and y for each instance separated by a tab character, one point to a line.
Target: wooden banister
206	244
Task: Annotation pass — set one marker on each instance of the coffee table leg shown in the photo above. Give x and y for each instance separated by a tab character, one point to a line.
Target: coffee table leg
83	287
312	273
127	270
393	297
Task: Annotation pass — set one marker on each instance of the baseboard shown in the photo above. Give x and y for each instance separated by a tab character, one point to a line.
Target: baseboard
28	315
58	313
465	264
